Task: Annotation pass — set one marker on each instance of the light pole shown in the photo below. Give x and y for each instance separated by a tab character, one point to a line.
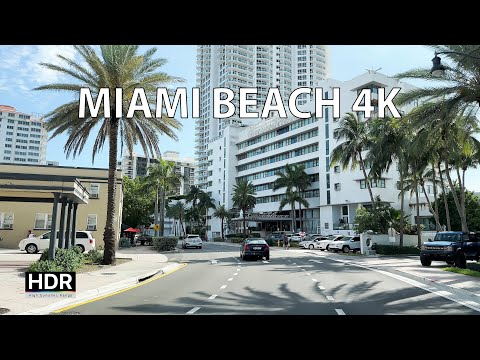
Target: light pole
438	69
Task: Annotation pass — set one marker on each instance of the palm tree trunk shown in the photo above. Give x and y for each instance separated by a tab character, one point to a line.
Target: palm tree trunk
462	192
300	214
156	210
162	212
455	198
434	213
244	224
434	174
294	218
402	204
367	181
222	229
419	231
442	184
109	233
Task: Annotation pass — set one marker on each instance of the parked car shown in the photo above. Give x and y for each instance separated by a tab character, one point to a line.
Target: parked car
192	240
83	239
274	237
256	247
325	244
312	243
297	238
453	247
144	239
346	244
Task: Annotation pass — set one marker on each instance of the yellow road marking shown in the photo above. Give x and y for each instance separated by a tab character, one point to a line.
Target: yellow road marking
120	291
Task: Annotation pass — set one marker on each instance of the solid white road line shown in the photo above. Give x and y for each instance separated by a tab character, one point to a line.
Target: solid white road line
314	280
443	293
318	262
223	286
193	311
340	312
212	297
235	274
230	279
330	298
321	287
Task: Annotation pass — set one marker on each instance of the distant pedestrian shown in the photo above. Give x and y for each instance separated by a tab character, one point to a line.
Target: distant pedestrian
286	243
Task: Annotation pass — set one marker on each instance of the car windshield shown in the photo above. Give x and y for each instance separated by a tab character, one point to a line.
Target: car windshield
346	238
448	237
255	241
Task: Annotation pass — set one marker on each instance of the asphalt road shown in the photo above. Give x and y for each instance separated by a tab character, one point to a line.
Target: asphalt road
294	282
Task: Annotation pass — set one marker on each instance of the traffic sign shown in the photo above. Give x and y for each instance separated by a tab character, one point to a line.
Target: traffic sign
156	227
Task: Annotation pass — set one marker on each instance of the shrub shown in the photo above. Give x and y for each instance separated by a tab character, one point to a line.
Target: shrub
94	257
124	243
228	236
396	250
236	240
44	266
255	235
165	243
217	239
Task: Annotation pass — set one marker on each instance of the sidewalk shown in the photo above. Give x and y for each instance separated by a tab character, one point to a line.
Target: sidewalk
13	263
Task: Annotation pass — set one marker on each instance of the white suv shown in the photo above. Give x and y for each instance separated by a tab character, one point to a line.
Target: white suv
346	244
325	244
192	241
83	239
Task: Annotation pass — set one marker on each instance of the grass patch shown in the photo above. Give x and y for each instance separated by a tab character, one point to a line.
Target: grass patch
468	272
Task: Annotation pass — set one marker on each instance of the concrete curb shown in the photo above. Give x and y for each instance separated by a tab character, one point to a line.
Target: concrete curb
101	291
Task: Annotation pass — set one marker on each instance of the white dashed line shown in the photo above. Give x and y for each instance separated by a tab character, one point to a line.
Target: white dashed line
238	269
308	274
291	261
230	279
340	312
296	264
265	262
235	274
214	261
315	280
319	262
304	270
299	265
212	297
223	286
321	287
330	298
193	311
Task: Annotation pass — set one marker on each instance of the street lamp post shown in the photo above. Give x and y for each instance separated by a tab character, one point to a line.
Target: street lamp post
438	69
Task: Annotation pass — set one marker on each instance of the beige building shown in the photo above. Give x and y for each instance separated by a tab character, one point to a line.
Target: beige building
28	194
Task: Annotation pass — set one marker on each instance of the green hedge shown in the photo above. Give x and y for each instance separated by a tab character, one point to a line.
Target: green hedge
165	243
217	239
396	250
235	236
236	240
93	257
124	243
65	260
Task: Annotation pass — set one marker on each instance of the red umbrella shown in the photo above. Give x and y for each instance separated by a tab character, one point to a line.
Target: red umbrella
131	230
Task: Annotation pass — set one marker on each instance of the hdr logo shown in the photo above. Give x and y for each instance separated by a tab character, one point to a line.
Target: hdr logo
50	284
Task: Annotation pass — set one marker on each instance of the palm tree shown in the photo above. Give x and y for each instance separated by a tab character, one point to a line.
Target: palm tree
291	197
163	178
205	202
193	195
460	86
349	152
192	216
221	213
390	141
244	199
294	178
116	66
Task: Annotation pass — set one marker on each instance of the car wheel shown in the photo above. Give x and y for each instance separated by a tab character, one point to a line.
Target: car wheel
425	262
31	248
311	247
267	257
346	249
81	247
461	261
328	247
450	262
322	249
199	247
147	243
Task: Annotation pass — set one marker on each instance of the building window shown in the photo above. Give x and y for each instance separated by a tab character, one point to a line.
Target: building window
6	158
328	197
326	226
94	191
6	220
43	221
328	181
92	222
337	186
363	185
336	169
327	164
327	147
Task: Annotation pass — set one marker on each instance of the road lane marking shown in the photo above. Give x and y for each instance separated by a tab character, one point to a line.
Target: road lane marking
235	274
299	265
214	261
340	312
265	262
308	274
223	286
212	297
443	293
296	264
120	291
304	270
470	302
317	261
321	287
193	311
230	279
315	280
330	298
291	261
238	269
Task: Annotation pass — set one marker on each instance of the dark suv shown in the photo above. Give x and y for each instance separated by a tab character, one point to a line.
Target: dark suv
453	247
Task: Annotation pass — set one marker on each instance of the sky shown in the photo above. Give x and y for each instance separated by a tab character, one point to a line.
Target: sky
20	73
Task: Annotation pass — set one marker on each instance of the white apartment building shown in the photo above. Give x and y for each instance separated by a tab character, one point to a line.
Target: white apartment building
259	151
261	66
23	138
135	164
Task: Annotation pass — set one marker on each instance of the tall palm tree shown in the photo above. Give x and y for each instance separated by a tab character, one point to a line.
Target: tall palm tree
390	142
193	195
116	66
221	213
349	153
205	202
291	197
244	199
163	178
